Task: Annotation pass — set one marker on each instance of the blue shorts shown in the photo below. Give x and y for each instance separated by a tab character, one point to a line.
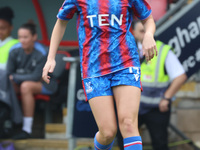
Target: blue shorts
102	86
45	91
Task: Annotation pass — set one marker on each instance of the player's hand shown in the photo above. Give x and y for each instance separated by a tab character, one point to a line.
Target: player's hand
164	105
48	68
149	46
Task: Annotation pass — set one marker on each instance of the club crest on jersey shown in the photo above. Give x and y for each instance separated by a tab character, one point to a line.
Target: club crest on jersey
103	21
89	89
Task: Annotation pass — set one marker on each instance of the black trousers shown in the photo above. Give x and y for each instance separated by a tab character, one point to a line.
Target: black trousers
157	125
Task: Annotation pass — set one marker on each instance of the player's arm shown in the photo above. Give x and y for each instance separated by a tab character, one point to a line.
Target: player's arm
56	37
149	44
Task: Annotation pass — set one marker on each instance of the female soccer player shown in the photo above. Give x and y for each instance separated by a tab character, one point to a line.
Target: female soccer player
109	62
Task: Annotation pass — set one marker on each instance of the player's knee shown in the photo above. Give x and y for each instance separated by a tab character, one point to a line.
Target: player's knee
25	87
108	133
127	125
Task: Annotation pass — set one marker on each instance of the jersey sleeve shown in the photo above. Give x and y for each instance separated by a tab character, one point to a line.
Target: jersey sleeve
67	10
141	9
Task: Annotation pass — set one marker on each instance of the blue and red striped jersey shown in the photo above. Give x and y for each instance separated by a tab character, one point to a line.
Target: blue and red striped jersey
105	43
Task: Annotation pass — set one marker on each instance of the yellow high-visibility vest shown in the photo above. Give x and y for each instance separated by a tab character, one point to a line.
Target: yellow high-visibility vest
153	77
153	73
4	50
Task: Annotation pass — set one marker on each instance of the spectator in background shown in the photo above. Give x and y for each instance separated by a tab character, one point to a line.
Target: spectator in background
138	32
25	63
6	41
161	78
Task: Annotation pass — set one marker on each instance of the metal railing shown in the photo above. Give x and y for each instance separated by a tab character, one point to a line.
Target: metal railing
74	61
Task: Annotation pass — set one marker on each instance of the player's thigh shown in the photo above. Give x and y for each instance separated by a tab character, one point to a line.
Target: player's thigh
127	101
31	86
99	93
103	111
126	89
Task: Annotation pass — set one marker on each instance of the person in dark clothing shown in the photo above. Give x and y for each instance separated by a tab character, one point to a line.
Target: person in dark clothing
6	42
25	63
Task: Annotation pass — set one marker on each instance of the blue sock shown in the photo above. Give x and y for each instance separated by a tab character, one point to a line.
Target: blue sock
134	142
98	146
